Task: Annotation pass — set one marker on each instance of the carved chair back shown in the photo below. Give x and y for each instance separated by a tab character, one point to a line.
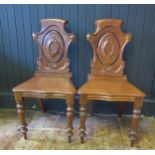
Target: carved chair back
108	43
53	42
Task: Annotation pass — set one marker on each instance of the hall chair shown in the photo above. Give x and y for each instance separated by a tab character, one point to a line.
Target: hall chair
107	80
52	79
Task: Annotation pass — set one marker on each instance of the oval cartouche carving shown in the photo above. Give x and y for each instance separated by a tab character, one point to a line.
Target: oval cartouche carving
53	46
53	42
108	49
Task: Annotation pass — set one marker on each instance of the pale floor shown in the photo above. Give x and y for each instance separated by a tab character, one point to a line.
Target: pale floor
47	131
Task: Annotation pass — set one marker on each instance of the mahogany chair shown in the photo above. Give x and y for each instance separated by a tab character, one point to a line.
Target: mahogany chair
107	80
52	80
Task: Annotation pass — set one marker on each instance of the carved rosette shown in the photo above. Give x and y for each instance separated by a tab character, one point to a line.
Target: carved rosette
53	44
108	43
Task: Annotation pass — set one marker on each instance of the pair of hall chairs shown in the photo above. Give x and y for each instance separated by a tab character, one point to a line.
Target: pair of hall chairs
106	81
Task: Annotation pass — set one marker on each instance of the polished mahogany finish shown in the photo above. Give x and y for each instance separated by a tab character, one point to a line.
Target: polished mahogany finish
52	78
107	80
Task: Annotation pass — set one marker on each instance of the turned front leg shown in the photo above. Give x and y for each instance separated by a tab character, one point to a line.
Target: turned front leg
82	118
21	113
70	112
135	119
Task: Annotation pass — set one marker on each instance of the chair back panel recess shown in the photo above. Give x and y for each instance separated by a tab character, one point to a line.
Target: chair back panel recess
108	43
53	42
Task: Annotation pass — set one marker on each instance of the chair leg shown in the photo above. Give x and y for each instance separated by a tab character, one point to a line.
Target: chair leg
82	118
91	107
21	113
121	109
41	105
70	111
135	119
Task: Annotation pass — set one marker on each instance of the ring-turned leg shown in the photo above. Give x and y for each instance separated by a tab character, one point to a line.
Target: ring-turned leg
21	113
135	119
70	111
41	105
83	101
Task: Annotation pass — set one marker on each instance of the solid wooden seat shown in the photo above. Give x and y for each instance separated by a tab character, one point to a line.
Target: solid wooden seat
110	87
51	84
52	78
107	80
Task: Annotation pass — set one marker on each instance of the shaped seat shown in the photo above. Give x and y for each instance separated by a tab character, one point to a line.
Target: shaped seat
51	84
107	80
111	88
52	78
